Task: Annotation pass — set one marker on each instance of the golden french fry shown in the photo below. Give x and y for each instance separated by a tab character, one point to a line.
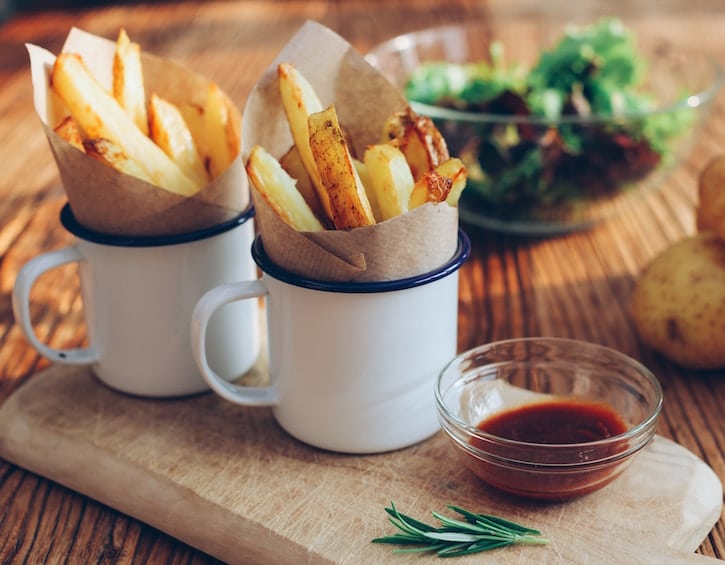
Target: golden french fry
99	115
455	170
292	163
128	82
362	172
169	131
419	140
68	130
278	189
348	201
389	181
111	154
444	183
299	101
222	125
193	115
431	187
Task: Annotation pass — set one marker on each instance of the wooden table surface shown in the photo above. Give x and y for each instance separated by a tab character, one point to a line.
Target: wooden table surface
574	286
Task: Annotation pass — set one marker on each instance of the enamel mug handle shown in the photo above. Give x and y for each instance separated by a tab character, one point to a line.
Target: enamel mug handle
27	276
209	303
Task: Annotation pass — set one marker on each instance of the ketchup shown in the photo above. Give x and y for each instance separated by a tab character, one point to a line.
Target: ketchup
555	423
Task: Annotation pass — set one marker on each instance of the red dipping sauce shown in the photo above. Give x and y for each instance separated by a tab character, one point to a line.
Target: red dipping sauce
552	463
558	421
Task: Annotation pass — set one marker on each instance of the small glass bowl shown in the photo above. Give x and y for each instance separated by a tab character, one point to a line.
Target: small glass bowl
578	190
506	375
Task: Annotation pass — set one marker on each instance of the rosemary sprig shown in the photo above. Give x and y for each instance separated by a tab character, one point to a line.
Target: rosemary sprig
476	533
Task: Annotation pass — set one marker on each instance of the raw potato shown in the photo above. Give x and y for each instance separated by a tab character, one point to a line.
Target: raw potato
678	304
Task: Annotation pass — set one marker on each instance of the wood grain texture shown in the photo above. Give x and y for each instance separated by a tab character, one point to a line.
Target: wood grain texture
228	480
577	286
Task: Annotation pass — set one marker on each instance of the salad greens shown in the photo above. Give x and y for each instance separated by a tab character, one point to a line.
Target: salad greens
540	160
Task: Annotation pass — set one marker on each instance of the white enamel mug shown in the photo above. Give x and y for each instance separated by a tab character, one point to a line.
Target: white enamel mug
352	365
138	295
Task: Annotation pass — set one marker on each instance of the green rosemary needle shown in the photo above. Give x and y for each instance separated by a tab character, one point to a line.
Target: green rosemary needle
476	533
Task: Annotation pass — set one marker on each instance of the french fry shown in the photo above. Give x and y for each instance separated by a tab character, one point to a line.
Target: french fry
431	187
299	101
68	130
99	115
169	131
193	115
348	201
410	167
364	174
222	125
278	188
444	183
455	170
389	181
292	163
111	154
419	140
128	81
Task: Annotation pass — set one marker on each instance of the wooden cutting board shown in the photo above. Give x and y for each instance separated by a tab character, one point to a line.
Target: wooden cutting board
230	482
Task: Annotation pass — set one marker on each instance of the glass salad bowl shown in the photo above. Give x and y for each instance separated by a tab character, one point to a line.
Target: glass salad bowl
558	131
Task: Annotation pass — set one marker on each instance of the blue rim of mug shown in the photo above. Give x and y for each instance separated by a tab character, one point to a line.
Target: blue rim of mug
70	223
275	271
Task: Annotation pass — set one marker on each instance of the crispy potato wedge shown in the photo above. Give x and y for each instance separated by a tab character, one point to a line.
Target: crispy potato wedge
348	201
419	140
389	181
68	130
99	115
128	81
431	187
111	154
455	170
278	189
362	172
292	163
222	125
444	183
168	130
299	101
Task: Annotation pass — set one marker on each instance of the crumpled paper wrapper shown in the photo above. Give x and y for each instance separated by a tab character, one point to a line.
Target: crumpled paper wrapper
104	200
411	244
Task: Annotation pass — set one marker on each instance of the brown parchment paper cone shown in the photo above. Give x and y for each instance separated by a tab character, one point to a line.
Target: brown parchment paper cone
107	201
412	244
